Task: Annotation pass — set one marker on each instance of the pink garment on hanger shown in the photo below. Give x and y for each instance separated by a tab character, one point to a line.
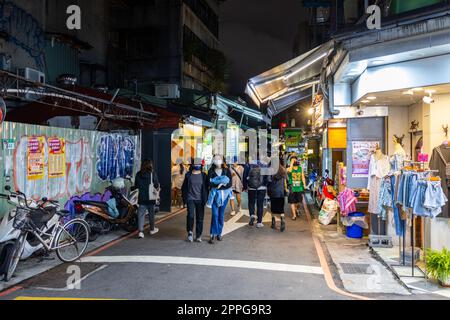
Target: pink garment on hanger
347	202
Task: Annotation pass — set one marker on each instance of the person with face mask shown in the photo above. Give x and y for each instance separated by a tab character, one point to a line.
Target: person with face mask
195	194
220	183
257	191
296	183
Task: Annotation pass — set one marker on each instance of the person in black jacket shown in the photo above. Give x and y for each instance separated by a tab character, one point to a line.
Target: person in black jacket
219	168
142	181
195	195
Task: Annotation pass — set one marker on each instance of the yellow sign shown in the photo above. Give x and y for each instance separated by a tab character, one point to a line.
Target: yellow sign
56	157
35	158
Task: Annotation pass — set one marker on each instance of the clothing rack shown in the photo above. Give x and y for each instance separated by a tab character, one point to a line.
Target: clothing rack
413	216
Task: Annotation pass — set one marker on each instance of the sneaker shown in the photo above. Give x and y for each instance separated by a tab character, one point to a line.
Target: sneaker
219	238
273	226
211	240
141	235
233	213
199	240
283	225
190	238
259	225
154	231
252	221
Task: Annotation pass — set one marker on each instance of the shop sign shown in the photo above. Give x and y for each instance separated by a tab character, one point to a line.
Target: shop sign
318	107
293	138
361	152
8	144
35	158
56	157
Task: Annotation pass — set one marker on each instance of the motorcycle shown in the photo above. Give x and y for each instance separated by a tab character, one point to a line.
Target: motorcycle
98	214
9	235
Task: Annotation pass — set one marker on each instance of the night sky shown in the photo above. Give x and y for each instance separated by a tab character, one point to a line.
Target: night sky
257	35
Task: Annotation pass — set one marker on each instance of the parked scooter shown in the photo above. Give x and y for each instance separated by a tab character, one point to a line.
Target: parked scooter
98	214
9	235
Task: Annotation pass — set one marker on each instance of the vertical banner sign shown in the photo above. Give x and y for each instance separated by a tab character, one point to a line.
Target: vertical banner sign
56	158
361	152
35	158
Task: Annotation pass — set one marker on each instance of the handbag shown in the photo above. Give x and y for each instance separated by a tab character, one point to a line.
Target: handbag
153	193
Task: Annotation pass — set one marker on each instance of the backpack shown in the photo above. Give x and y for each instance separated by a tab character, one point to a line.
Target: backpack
254	178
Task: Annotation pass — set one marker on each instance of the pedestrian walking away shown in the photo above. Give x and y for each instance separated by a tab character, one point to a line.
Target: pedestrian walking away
296	183
276	190
195	194
220	183
148	185
257	191
237	174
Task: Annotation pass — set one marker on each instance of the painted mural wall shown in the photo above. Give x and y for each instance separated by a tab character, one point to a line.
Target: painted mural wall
60	163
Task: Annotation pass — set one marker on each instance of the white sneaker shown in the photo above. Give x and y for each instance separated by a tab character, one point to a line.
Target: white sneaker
259	225
141	235
153	232
233	213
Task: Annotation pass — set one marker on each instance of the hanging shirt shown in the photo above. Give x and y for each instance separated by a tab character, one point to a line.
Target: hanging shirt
378	168
440	160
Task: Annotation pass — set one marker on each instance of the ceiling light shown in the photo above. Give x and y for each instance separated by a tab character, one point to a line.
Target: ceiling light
365	101
417	89
409	92
371	98
428	99
430	91
377	62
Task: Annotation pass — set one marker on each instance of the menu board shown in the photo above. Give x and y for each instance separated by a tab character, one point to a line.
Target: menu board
56	157
35	158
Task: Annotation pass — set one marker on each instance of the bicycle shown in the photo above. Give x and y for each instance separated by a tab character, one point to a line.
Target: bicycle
58	237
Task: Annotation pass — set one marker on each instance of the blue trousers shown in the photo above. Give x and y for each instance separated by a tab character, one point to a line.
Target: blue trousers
218	219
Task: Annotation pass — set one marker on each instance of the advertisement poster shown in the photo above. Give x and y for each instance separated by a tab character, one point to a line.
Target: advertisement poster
362	150
35	158
56	158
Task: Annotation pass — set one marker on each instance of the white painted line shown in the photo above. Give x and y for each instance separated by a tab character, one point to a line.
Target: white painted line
74	284
206	262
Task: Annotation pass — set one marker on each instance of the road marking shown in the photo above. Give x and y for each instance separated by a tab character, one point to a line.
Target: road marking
323	262
206	262
75	284
9	291
63	299
233	224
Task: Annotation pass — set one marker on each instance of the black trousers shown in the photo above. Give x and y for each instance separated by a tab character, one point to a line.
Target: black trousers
195	212
256	197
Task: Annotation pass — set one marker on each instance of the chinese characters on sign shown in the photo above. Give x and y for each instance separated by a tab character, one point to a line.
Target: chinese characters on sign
35	158
56	158
361	152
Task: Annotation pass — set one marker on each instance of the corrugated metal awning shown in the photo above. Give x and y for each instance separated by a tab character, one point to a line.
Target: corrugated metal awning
297	74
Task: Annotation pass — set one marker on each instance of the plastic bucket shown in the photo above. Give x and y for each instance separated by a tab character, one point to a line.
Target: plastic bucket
355	231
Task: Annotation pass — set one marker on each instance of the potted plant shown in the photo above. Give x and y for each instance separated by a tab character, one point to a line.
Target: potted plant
438	265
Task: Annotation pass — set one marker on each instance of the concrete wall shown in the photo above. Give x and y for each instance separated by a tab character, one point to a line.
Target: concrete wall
24	21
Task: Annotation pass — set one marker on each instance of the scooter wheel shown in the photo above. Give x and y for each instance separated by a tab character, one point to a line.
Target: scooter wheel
93	236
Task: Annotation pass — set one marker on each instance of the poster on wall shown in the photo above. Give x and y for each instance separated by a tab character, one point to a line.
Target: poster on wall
35	158
361	152
56	157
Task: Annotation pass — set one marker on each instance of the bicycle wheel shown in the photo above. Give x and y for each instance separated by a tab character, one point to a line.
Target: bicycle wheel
72	240
17	253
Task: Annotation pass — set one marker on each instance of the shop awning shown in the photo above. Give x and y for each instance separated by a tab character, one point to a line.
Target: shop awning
295	75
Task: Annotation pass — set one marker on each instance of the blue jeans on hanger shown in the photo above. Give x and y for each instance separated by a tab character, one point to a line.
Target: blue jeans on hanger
399	225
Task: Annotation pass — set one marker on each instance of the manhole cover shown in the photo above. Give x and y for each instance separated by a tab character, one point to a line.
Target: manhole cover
356	268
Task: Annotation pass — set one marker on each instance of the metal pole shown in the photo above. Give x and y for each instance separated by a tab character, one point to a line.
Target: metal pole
404	242
413	262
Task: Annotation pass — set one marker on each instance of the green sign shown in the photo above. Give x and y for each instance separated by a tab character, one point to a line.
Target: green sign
8	144
293	138
400	6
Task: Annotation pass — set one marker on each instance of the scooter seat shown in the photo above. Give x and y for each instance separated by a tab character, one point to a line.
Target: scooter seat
95	203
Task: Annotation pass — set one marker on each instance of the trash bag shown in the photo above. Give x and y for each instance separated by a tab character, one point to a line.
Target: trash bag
328	211
358	220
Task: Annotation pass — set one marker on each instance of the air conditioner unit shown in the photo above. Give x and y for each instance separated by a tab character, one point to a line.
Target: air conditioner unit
34	76
167	91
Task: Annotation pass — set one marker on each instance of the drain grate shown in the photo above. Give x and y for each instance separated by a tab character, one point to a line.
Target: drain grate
356	268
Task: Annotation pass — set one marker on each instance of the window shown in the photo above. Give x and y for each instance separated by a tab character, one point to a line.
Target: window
203	11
